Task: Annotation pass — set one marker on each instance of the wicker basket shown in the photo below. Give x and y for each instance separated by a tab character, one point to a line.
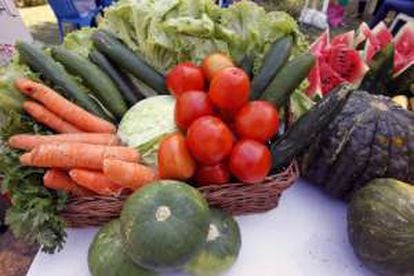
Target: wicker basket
236	198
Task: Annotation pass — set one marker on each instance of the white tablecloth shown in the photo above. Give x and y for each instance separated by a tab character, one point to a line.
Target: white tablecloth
305	235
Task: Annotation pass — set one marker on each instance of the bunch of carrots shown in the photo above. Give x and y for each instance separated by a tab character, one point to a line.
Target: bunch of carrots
86	157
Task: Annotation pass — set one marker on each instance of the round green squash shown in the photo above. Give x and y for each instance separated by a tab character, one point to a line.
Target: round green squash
106	256
221	249
381	226
372	137
164	224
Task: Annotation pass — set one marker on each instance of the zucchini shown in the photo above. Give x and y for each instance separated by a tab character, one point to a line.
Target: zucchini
288	79
305	130
126	59
129	91
273	61
97	81
38	61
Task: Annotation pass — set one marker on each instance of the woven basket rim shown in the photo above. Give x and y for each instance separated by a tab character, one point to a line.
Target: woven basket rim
235	198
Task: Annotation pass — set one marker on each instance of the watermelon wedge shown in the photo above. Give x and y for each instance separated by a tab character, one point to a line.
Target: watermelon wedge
404	48
345	39
378	39
329	79
347	63
320	44
362	33
315	86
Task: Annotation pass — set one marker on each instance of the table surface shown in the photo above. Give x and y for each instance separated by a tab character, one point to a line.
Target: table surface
305	235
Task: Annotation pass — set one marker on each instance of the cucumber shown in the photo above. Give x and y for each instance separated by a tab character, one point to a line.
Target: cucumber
288	79
119	54
305	130
247	64
97	81
273	61
125	85
38	61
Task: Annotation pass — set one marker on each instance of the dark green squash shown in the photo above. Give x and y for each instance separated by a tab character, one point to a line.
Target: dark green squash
221	249
164	224
371	138
106	254
381	226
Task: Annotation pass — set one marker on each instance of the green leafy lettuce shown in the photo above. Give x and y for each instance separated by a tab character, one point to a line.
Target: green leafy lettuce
166	32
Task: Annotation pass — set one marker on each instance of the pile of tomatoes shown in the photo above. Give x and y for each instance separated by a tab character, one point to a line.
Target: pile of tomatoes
223	134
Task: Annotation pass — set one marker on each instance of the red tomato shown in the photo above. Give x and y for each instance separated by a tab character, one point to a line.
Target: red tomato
174	158
185	77
250	161
257	120
191	106
230	89
212	175
214	63
210	140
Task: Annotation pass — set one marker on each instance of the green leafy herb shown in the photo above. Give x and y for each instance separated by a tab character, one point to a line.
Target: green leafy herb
33	215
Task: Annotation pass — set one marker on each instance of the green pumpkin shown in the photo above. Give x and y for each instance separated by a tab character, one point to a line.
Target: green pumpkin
164	225
106	256
381	226
372	137
221	249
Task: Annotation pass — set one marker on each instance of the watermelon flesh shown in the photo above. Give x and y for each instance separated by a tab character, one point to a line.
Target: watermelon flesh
363	33
378	39
320	44
347	63
329	79
404	48
345	39
315	87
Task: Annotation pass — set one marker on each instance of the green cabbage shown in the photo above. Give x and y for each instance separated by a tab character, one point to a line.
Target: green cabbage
146	123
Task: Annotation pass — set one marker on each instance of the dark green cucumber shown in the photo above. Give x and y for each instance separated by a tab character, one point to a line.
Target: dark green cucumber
125	85
379	78
273	61
305	130
94	78
288	79
247	64
126	59
38	61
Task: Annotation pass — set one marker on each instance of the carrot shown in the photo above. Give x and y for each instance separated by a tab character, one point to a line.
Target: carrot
64	108
76	155
28	142
95	181
59	180
47	118
130	175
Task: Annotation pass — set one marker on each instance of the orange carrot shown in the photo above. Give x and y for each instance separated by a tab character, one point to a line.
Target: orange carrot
28	142
59	180
76	155
128	174
63	108
95	181
47	118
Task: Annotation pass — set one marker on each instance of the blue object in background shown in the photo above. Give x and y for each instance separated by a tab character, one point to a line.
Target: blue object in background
66	12
399	6
105	3
225	3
